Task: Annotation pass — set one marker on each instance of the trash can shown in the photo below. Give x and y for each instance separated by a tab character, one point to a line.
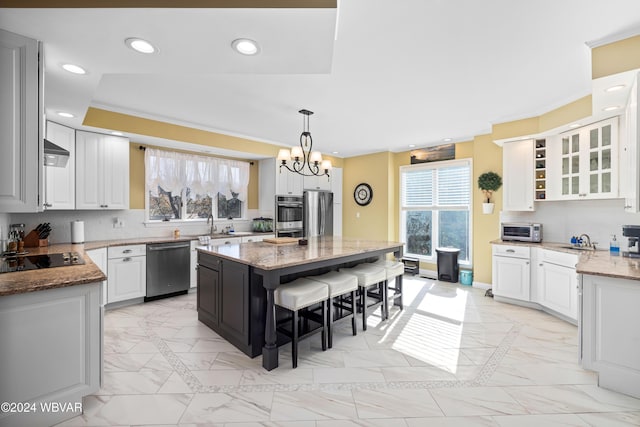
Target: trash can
448	268
466	277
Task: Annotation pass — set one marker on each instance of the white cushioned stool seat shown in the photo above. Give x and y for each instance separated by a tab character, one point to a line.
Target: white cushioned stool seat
394	268
300	293
367	273
338	283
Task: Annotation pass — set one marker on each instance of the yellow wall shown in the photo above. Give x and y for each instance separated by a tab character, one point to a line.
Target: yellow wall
614	58
371	221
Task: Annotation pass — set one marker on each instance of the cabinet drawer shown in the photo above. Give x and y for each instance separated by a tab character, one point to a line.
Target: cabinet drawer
126	251
559	258
512	251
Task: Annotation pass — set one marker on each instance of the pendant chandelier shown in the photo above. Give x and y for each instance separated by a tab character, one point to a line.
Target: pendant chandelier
303	160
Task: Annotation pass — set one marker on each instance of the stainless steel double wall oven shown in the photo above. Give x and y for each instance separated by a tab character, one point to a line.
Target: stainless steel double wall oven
289	216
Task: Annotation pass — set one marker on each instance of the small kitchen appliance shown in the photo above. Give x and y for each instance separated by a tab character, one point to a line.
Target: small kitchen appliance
521	232
632	233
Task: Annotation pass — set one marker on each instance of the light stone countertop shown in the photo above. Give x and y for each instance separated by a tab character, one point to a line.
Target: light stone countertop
50	278
270	256
595	263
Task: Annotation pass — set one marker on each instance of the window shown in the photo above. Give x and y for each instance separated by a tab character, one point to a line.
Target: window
190	187
435	208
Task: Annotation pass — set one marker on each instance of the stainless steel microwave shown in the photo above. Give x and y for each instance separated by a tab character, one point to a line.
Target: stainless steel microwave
521	232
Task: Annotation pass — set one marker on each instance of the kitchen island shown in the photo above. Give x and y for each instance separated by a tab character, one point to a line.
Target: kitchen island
50	338
236	284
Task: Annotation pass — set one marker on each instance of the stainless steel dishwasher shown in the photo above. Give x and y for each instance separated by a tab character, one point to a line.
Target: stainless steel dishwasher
168	269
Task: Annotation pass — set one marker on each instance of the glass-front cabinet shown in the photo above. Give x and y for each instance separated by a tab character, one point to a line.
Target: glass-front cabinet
587	166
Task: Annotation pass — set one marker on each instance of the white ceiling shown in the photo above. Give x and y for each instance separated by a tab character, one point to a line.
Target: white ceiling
379	74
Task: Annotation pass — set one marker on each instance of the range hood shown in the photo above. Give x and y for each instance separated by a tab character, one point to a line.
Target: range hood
54	155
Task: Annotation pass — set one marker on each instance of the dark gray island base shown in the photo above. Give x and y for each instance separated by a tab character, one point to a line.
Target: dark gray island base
236	284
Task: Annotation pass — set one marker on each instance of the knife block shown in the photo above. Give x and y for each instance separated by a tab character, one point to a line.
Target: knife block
33	240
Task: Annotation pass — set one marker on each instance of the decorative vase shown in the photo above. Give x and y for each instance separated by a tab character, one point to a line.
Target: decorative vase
487	208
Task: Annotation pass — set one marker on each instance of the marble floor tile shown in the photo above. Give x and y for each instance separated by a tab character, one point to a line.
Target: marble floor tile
207	408
476	401
452	357
570	399
313	405
612	419
391	403
452	422
554	420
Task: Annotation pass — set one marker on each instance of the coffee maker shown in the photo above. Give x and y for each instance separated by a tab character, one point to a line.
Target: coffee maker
632	233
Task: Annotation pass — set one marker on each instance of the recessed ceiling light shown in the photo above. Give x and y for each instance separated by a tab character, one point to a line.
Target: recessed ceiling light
611	108
75	69
615	88
412	145
64	114
140	45
245	46
116	133
447	139
574	125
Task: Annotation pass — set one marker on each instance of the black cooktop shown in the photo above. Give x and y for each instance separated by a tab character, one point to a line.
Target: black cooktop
17	262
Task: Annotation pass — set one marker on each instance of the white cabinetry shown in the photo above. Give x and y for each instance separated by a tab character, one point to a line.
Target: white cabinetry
630	152
610	336
127	272
289	183
557	283
60	183
99	258
21	124
511	272
50	351
585	162
518	171
317	182
102	171
257	238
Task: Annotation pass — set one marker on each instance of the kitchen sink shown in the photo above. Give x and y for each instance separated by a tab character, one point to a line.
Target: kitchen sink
578	248
240	233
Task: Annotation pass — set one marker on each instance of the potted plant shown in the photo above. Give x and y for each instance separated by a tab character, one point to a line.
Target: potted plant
488	183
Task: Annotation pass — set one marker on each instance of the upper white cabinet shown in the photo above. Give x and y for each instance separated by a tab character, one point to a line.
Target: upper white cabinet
317	182
584	162
102	171
518	171
21	124
630	154
289	183
60	183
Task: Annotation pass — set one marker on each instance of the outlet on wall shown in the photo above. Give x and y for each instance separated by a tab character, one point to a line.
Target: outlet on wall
118	223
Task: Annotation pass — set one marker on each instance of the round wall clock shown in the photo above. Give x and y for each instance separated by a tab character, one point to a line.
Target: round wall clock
363	194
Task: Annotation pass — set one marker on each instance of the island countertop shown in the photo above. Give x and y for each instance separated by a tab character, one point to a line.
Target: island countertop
270	256
20	282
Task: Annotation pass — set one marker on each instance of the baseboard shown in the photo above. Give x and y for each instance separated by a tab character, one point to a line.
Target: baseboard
481	285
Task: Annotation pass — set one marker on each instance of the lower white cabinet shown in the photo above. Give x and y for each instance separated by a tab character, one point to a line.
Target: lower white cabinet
511	272
557	283
610	337
99	258
257	238
127	272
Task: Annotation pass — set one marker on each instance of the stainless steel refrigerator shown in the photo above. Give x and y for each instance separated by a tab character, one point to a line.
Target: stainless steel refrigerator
317	213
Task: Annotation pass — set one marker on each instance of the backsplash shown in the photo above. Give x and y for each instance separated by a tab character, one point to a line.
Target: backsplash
98	225
561	220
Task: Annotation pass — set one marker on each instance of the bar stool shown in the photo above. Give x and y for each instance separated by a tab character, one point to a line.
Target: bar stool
369	276
395	270
296	296
340	284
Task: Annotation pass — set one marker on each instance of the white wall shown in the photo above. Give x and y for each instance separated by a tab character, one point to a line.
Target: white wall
98	225
561	220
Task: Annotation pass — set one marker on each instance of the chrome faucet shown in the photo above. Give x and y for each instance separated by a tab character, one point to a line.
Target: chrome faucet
213	227
588	241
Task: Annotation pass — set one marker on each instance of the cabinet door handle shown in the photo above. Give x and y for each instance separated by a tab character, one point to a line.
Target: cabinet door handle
126	259
541	265
49	205
527	262
511	251
127	251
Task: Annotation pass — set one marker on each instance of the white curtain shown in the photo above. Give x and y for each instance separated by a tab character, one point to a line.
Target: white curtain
203	175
